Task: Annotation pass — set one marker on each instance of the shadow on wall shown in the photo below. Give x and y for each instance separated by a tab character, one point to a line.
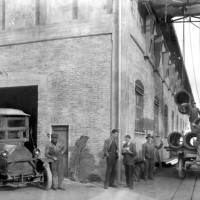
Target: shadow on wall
82	162
101	168
83	168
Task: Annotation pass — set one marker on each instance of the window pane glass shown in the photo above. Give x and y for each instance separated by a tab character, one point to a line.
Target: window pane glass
156	119
139	113
16	134
2	123
2	135
17	123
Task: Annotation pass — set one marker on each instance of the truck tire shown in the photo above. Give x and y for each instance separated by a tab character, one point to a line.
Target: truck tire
189	140
47	177
175	140
181	172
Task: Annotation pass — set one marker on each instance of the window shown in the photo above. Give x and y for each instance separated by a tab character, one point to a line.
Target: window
180	124
177	123
156	115
166	121
139	94
172	120
14	128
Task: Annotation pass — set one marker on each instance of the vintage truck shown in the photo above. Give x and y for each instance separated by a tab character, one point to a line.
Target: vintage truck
17	164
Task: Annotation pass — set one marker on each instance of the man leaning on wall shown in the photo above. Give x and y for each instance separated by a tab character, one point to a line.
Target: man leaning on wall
110	151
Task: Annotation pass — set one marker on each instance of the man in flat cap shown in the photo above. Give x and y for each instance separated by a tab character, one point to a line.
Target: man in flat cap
148	153
55	151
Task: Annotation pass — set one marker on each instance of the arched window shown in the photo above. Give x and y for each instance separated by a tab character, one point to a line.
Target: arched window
172	120
139	95
156	115
166	120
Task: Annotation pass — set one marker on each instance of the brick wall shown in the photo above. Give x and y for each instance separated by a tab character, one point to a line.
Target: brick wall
76	91
135	66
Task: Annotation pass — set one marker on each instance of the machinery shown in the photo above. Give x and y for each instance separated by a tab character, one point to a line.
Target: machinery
184	145
185	148
17	164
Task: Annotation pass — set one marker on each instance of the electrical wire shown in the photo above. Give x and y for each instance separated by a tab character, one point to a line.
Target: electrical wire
193	64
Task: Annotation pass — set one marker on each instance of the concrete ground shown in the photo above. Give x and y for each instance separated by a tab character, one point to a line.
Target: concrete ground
166	186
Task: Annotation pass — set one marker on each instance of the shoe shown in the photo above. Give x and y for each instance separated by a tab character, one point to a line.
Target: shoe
131	187
105	187
151	178
145	179
113	186
54	188
61	188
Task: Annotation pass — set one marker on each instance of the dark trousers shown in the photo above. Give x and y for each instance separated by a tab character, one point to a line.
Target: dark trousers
57	172
149	168
129	171
110	170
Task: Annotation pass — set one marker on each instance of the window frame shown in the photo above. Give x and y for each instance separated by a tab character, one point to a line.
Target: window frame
139	106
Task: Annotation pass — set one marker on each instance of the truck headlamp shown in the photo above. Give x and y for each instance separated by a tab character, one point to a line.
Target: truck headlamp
4	154
36	152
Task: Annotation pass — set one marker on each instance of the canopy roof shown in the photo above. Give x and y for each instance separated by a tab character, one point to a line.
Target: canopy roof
10	111
174	8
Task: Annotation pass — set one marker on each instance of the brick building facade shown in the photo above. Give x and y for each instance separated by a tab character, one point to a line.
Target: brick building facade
82	61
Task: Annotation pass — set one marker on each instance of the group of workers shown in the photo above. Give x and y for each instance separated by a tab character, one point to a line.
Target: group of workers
129	153
55	152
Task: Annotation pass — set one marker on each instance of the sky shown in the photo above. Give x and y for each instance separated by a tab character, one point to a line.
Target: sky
191	50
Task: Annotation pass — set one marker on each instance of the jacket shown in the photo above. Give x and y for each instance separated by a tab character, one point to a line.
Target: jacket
106	147
129	157
148	149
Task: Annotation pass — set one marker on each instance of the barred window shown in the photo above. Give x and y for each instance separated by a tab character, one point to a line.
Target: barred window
139	94
166	120
156	115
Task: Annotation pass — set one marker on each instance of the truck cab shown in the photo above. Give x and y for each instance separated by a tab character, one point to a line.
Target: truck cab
17	163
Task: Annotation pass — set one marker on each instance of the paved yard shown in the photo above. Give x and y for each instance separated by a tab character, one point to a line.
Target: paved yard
166	186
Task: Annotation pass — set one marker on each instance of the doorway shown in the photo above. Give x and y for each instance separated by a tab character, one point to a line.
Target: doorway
63	135
24	98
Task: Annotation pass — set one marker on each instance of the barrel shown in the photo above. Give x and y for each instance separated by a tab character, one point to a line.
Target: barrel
182	96
175	140
189	140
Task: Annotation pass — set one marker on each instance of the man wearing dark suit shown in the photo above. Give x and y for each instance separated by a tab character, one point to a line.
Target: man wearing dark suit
110	151
129	153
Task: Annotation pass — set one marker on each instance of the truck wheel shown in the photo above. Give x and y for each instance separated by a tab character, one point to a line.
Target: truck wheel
181	172
47	177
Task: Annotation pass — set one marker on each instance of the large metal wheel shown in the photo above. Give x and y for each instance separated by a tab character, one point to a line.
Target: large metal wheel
47	178
181	172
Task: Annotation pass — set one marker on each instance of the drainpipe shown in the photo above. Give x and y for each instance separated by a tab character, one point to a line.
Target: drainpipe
119	50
